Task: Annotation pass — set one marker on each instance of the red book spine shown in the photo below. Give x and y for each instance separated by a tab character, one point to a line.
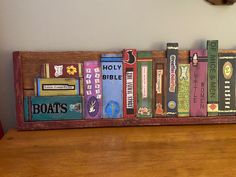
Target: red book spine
130	83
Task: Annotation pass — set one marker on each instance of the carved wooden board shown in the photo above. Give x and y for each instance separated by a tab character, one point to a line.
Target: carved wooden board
27	67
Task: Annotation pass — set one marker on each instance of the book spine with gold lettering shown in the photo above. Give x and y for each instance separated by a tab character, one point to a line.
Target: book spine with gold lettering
227	84
145	93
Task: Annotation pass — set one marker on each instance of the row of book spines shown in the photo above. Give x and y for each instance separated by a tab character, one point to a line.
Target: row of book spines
189	105
145	55
179	100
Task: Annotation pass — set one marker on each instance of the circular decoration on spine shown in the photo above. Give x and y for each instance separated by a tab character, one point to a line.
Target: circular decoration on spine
112	109
172	104
227	70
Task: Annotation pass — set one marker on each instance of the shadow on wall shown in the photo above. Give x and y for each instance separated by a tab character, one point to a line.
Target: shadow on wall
7	94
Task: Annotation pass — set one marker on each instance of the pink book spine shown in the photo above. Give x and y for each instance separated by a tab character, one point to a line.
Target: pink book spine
198	83
93	90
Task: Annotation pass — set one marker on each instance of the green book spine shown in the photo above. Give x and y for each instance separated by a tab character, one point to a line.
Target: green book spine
212	104
183	90
144	88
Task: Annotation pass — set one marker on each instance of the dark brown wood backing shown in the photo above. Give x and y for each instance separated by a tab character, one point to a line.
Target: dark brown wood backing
27	67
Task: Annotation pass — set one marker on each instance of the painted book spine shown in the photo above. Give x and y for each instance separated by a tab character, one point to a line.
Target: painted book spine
73	70
51	108
227	84
172	79
92	89
56	86
198	83
159	88
129	83
183	90
212	107
145	93
112	86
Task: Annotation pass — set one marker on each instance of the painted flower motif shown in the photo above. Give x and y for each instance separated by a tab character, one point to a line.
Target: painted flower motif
71	70
144	111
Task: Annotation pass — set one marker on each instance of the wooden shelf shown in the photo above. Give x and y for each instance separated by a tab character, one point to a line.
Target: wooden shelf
125	122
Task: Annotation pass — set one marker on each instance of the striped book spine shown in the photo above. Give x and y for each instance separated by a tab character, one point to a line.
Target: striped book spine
129	83
183	90
198	82
172	79
212	107
227	84
92	89
112	85
145	87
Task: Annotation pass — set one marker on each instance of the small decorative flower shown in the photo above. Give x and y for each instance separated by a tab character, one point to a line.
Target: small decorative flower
71	70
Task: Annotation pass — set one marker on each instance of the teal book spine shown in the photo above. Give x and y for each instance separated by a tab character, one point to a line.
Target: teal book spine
50	108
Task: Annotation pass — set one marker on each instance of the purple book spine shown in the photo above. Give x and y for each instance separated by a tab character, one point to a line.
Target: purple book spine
93	90
198	82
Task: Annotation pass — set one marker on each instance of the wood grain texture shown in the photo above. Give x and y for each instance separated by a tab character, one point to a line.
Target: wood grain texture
180	151
45	125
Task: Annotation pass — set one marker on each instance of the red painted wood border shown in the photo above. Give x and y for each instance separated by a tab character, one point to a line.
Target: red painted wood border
18	82
45	125
125	122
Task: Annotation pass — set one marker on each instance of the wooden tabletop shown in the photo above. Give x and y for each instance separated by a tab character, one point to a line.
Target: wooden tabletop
162	151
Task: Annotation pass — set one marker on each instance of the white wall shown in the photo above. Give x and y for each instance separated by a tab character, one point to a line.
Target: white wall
56	25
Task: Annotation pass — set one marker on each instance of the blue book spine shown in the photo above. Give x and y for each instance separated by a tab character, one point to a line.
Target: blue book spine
112	86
